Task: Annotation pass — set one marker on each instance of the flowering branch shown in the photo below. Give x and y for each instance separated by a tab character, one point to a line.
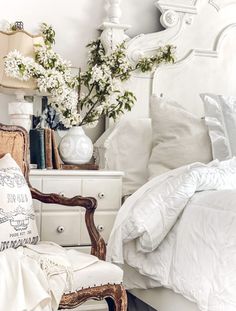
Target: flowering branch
96	92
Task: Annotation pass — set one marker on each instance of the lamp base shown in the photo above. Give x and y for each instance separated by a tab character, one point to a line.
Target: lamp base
20	112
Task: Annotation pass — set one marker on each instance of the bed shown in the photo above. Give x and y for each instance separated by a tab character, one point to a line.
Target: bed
204	32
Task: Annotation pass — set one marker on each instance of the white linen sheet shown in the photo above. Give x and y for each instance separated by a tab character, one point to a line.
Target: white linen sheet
34	278
178	231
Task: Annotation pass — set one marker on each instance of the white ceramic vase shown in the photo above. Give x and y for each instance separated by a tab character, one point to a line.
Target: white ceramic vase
76	147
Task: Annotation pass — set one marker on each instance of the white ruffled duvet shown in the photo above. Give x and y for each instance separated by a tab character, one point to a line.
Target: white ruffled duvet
181	233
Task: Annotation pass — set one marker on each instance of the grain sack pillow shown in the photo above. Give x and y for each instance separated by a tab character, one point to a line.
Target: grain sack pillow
17	217
178	137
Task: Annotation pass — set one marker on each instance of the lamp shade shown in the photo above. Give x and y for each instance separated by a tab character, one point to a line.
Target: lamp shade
23	42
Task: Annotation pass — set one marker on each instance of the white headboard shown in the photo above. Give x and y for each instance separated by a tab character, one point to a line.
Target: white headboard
204	32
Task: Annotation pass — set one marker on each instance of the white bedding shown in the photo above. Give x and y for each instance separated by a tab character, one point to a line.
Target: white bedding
181	239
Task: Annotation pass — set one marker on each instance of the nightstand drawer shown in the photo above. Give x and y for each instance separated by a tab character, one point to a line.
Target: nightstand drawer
63	186
60	227
106	191
104	222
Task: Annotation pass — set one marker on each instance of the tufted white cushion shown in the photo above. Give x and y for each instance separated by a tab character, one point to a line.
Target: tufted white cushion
83	270
17	217
99	273
89	271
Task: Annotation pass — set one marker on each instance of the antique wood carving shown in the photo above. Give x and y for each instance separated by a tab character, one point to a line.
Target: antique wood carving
115	295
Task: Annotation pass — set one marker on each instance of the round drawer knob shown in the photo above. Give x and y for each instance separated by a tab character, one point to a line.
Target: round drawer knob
101	195
60	229
61	194
100	228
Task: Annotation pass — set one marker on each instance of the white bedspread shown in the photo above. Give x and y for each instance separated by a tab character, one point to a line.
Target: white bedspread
181	233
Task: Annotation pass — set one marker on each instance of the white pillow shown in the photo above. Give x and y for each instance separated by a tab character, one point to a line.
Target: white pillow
220	114
126	147
179	138
17	218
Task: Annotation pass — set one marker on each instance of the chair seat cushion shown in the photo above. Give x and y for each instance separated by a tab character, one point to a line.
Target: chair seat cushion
95	273
99	273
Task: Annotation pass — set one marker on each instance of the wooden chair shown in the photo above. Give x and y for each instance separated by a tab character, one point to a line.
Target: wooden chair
14	140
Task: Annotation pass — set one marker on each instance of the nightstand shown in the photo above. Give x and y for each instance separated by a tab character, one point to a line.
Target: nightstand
66	225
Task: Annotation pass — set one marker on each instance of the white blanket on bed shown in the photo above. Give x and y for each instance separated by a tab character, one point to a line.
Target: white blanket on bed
182	240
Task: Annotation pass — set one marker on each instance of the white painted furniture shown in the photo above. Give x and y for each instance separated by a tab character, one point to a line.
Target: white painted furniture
66	225
204	32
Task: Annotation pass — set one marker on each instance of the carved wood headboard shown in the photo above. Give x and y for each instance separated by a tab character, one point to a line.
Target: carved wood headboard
204	32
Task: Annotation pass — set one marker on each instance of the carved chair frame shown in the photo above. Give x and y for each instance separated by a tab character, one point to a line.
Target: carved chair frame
114	294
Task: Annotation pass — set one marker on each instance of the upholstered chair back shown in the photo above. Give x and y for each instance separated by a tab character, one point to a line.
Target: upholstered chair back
14	140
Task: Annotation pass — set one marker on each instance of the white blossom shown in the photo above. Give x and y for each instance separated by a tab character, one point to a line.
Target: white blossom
159	53
99	109
50	59
5	25
51	80
18	67
100	74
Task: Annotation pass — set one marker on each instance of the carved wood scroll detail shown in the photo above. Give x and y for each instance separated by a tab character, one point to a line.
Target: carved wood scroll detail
98	247
115	295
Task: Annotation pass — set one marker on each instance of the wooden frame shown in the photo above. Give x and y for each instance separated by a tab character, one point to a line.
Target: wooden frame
114	294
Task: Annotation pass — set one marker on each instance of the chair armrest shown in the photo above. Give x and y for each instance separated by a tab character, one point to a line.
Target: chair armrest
90	204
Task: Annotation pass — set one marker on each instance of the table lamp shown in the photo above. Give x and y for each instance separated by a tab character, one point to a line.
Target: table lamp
20	111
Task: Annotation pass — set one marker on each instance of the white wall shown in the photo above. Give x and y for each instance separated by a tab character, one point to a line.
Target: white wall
76	23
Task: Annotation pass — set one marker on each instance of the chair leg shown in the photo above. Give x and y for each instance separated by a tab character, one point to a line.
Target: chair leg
118	302
111	304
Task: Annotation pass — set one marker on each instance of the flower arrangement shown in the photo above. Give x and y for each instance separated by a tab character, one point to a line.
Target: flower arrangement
82	99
